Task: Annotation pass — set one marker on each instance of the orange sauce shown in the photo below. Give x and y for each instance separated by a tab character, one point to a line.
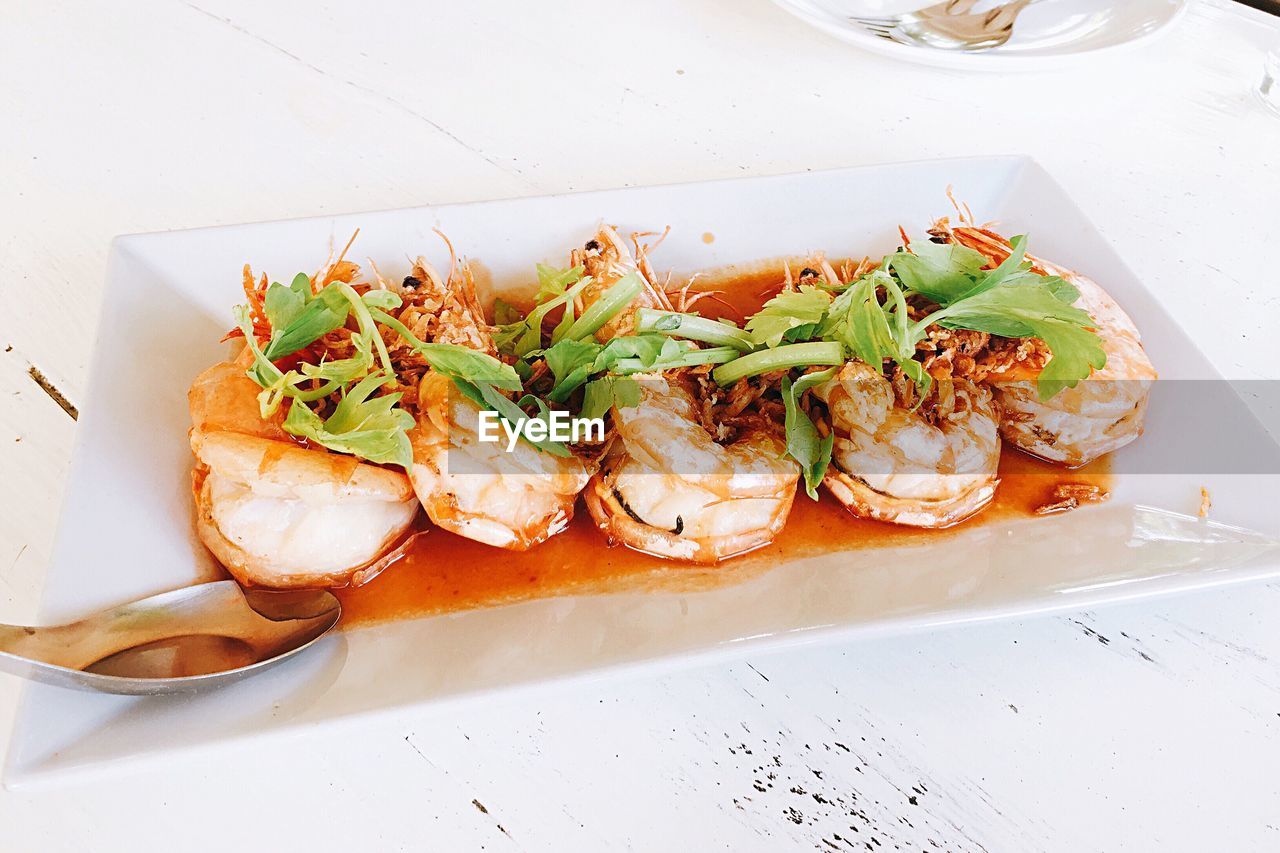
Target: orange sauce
443	573
741	289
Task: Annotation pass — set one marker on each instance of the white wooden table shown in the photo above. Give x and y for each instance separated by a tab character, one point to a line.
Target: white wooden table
1139	728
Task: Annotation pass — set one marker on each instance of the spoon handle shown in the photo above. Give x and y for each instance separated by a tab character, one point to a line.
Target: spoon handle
78	644
220	611
14	651
14	637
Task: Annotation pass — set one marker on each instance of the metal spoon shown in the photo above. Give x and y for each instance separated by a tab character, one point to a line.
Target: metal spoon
201	636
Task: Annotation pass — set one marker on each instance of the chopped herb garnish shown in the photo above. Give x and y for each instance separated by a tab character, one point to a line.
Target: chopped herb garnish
373	428
805	445
792	314
719	333
1009	301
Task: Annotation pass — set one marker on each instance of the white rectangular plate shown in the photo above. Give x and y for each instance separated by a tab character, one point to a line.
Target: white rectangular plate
126	528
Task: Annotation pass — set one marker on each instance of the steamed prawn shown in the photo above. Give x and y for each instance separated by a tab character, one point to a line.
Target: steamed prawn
929	467
667	486
477	489
1101	413
280	514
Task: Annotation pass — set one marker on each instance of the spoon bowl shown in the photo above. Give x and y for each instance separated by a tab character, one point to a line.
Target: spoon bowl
193	638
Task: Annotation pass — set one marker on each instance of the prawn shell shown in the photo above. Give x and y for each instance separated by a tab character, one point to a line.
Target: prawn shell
1101	413
1060	435
223	398
276	465
618	525
230	440
865	502
859	397
607	264
659	447
249	571
547	489
475	489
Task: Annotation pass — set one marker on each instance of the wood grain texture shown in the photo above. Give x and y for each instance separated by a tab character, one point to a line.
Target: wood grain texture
1138	728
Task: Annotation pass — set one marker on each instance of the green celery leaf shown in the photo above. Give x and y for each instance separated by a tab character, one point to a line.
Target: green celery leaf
508	336
1076	351
1032	309
344	370
326	312
572	382
570	362
1012	267
858	321
363	312
458	362
804	443
385	299
1064	291
791	309
522	337
647	351
597	398
553	282
566	323
601	395
941	272
374	429
270	378
626	392
504	313
282	305
513	414
301	285
568	356
873	332
1010	301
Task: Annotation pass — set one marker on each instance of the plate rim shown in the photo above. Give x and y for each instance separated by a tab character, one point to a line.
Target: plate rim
1023	161
1259	569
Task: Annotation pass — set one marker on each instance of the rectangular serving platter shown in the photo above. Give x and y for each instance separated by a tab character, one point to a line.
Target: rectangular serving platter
126	528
